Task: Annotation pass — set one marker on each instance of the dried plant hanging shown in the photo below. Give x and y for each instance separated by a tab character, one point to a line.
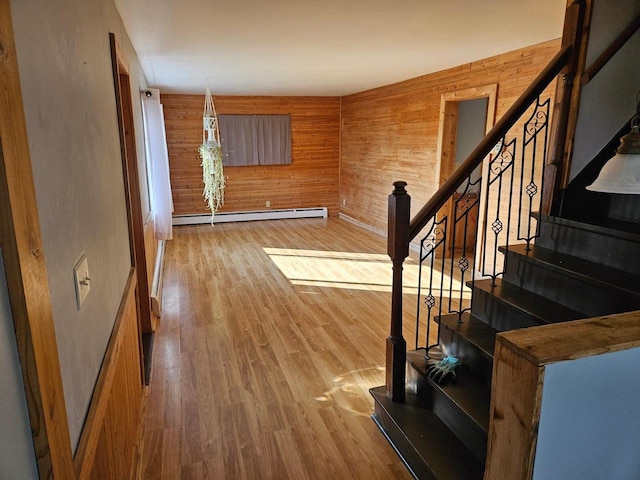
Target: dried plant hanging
211	155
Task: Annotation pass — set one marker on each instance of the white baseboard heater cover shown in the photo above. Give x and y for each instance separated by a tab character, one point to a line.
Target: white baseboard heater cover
318	212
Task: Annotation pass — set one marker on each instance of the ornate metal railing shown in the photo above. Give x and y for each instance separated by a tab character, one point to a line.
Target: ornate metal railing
461	228
489	211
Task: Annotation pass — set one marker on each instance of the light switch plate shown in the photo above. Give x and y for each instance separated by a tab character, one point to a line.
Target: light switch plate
82	280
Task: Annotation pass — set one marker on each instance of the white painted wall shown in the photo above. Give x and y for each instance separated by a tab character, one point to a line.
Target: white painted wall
609	100
66	76
472	123
17	457
590	419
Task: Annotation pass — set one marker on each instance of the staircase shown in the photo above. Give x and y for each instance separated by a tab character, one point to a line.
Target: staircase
575	270
524	269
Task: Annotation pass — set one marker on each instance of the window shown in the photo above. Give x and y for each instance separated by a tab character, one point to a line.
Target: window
255	139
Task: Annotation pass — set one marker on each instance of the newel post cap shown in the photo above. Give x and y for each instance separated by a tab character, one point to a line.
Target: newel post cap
399	188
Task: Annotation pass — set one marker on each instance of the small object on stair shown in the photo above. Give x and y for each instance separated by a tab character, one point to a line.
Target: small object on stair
444	370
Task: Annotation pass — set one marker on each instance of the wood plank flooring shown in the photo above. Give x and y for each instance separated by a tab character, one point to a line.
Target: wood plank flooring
271	335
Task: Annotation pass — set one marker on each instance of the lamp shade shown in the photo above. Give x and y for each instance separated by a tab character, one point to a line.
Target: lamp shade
621	174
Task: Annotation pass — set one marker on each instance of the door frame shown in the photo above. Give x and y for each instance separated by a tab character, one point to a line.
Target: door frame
447	132
26	274
137	248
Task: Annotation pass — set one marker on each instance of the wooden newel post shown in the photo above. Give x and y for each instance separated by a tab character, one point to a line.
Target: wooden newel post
398	250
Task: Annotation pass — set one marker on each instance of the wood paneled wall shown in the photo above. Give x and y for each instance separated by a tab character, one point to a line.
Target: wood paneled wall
311	180
390	133
109	445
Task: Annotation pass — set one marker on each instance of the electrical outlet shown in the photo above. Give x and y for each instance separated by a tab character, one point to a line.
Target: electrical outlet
268	203
344	202
82	280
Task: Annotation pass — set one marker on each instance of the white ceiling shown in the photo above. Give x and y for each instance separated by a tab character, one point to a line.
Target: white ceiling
328	47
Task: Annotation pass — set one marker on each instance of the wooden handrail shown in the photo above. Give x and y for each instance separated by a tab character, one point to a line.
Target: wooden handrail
611	50
490	140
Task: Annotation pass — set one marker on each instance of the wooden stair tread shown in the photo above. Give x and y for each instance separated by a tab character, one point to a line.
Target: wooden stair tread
541	308
474	331
469	394
418	435
583	270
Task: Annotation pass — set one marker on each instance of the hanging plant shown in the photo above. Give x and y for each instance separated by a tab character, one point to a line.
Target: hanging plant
211	155
212	176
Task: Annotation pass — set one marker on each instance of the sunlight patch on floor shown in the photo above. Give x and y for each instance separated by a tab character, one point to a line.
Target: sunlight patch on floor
351	270
350	390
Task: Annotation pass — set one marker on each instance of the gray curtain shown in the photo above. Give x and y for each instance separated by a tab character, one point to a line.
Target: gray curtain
255	139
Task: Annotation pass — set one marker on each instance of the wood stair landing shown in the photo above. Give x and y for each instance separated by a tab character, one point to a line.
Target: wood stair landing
426	445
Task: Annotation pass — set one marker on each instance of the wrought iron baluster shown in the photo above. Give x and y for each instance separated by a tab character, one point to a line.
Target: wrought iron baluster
436	237
498	167
536	125
447	248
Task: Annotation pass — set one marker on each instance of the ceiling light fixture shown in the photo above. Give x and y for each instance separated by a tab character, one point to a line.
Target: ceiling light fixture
621	174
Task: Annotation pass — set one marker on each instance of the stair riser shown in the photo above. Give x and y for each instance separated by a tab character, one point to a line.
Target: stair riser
498	315
625	208
469	433
597	247
457	346
401	444
583	296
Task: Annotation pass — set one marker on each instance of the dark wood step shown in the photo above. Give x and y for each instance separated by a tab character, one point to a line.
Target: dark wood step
463	406
427	447
579	284
505	306
615	245
470	340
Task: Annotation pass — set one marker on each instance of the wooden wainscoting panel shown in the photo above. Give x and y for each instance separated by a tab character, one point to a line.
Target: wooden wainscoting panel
109	440
311	180
391	133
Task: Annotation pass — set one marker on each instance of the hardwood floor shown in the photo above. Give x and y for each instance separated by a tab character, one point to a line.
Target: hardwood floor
272	333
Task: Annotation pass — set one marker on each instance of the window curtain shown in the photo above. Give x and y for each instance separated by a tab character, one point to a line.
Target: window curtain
255	139
158	164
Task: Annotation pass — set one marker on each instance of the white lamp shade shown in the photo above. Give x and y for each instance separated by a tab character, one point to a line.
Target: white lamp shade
621	174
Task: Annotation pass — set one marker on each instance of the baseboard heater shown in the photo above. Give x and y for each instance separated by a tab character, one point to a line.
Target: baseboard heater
156	286
225	217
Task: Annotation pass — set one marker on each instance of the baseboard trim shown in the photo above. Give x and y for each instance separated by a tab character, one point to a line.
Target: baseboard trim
248	216
366	226
378	231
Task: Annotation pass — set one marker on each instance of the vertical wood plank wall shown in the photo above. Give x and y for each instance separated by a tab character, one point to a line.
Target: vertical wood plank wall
108	446
390	133
311	180
116	448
